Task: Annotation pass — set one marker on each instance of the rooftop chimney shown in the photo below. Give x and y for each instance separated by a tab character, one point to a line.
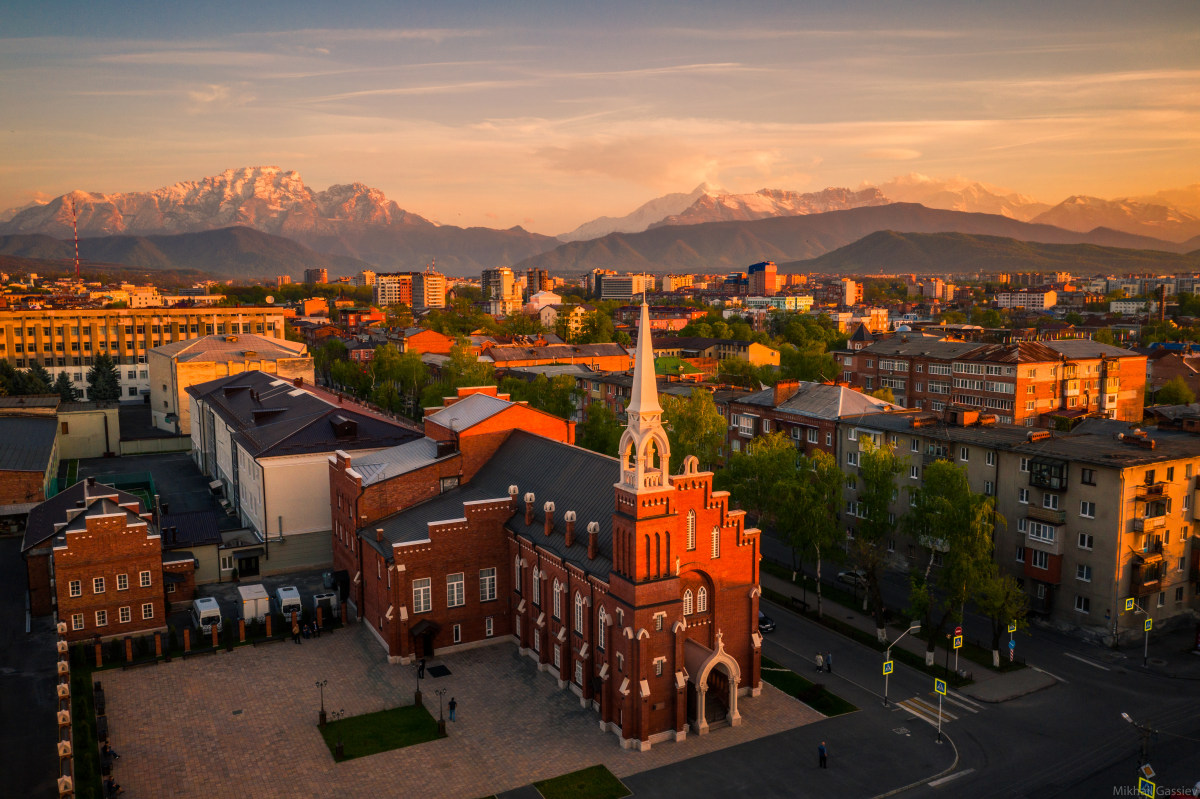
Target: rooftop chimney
785	390
513	492
91	481
379	534
593	529
529	500
569	518
549	509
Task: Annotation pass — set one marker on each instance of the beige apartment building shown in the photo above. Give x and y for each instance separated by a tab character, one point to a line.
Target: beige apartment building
68	340
1092	518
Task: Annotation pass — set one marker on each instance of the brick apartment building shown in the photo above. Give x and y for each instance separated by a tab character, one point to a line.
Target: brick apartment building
642	598
94	557
1027	383
1093	517
597	357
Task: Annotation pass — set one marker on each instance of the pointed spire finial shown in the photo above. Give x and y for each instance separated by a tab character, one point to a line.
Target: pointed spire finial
643	398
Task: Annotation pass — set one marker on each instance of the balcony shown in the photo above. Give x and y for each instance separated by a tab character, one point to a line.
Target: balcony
1047	515
1148	523
1150	493
932	457
1146	578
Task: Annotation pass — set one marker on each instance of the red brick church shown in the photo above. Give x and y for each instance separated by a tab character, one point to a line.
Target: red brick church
637	589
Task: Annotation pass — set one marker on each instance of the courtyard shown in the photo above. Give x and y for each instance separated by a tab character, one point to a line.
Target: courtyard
243	724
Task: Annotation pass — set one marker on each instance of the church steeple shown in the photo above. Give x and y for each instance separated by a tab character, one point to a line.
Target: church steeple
644	451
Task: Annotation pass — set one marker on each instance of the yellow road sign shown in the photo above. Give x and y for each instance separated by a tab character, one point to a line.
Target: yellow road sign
1012	628
1145	787
939	686
887	666
1129	604
958	642
1149	624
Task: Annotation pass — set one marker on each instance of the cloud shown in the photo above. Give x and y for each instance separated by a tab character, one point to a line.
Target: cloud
212	93
648	161
891	154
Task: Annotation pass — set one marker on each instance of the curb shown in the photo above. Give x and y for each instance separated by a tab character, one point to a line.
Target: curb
929	779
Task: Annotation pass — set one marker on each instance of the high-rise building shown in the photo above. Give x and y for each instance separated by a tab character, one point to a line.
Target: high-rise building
625	287
537	280
283	280
365	278
429	290
764	280
497	284
393	288
851	292
316	275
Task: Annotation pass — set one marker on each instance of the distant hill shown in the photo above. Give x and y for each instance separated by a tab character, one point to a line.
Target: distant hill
229	252
718	246
891	252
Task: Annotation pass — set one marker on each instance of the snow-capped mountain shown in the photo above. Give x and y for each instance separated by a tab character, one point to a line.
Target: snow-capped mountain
960	194
265	198
9	213
771	202
642	218
1083	214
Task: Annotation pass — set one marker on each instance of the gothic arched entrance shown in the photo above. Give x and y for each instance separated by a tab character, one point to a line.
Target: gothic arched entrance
713	677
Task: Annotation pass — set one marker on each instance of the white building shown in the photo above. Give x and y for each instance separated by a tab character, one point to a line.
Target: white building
1030	300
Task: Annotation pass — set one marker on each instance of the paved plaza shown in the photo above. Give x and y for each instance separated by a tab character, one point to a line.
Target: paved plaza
243	724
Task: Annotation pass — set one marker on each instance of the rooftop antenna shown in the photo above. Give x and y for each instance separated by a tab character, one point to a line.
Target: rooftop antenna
75	231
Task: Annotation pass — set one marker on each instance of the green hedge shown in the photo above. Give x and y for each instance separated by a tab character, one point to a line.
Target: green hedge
811	694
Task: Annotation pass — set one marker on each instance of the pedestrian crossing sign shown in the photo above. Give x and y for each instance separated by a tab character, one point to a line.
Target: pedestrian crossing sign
939	686
1149	624
1012	628
887	666
1129	604
1145	787
958	642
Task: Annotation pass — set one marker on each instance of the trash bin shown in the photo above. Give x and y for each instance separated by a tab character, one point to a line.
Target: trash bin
327	579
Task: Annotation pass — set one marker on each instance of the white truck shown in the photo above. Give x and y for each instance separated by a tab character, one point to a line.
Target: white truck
329	607
254	603
205	613
287	601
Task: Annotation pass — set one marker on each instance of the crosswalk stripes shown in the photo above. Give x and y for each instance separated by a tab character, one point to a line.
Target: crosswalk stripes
927	709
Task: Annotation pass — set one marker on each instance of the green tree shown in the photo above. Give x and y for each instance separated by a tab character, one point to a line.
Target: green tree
64	389
463	368
884	394
104	381
694	427
1104	337
600	431
746	374
795	364
1000	598
331	351
949	519
597	328
1175	392
878	467
40	376
753	475
809	499
557	395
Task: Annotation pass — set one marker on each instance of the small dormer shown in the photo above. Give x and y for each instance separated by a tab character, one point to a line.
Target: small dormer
344	427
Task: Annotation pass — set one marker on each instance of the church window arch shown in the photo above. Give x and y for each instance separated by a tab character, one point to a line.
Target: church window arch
701	600
691	530
687	602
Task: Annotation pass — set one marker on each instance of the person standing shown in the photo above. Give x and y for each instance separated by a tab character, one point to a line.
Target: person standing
453	706
829	662
296	631
421	669
823	755
820	661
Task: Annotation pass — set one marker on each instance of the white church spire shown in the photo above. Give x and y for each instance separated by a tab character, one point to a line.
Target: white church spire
643	399
644	451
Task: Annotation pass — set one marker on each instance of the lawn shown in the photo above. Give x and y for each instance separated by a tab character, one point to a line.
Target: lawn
596	782
814	696
373	733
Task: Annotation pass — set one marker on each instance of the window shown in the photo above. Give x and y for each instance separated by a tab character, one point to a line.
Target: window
422	595
1162	598
124	616
601	620
990	458
1025	461
964	454
133	391
1042	532
76	621
557	656
1082	604
851	458
829	439
1040	559
487	584
914	472
226	563
517	573
97	585
852	434
1020	554
144	579
914	445
658	667
1087	510
1180	564
454	591
147	610
988	488
1050	501
1086	541
812	435
489	627
1088	477
1149	477
687	602
557	599
122	582
578	612
1023	496
1083	573
76	588
701	600
1179	594
102	618
716	542
691	530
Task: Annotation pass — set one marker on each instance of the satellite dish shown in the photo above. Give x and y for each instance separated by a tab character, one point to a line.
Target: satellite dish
270	299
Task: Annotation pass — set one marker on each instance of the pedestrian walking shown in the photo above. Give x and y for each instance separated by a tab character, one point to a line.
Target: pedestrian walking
296	631
823	755
820	661
453	706
421	669
305	631
829	662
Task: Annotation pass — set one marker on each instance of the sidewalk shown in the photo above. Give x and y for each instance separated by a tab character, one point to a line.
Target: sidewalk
988	685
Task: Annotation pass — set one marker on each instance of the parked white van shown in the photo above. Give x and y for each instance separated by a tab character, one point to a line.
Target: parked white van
287	600
205	613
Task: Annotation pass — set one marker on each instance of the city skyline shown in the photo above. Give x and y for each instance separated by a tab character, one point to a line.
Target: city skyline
547	117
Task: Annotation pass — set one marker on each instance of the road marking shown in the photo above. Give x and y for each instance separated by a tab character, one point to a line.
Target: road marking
926	711
1085	660
1049	674
960	697
949	777
963	705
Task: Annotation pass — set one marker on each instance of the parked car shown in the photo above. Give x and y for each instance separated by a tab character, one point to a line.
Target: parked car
205	613
765	623
287	600
856	578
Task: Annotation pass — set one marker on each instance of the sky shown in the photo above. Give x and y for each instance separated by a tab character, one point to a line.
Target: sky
547	115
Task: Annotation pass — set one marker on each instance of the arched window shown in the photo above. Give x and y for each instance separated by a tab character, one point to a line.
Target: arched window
702	600
687	602
517	573
557	599
716	542
578	612
691	530
601	619
537	587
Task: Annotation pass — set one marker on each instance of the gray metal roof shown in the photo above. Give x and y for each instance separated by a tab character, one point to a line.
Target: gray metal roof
1086	348
571	477
27	443
379	466
221	348
469	411
820	401
65	506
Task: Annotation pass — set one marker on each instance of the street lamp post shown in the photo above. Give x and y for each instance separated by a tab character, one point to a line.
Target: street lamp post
915	627
321	685
441	693
1146	625
340	752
